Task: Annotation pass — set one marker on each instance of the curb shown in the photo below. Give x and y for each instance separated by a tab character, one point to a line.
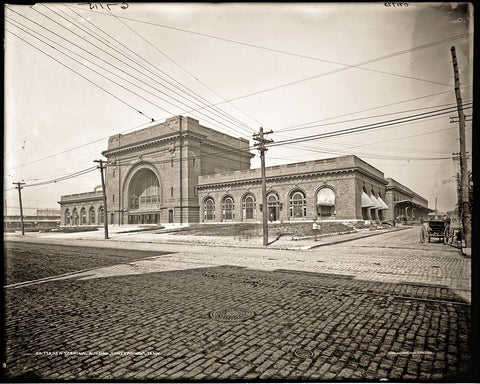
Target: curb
357	238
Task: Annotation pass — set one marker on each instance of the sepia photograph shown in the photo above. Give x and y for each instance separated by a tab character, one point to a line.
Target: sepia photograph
238	191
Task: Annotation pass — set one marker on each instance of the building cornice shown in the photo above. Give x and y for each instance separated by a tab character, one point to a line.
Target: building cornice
291	176
273	178
80	200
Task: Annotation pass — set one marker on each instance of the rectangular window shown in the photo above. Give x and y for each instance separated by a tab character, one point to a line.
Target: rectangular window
113	173
194	190
193	162
113	197
171	163
171	192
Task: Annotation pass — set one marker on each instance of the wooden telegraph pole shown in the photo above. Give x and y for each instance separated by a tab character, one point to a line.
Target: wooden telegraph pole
19	187
261	142
105	216
465	180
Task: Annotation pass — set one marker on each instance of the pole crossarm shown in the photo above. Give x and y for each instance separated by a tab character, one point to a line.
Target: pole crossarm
19	187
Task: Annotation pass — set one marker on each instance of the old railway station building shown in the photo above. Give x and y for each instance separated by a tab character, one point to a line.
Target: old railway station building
182	172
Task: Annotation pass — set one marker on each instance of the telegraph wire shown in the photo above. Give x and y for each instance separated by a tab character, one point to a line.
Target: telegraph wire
296	128
373	108
218	112
142	125
368	127
122	61
194	77
349	145
79	74
370	155
77	147
285	142
63	178
13	22
188	72
261	91
86	66
346	66
352	130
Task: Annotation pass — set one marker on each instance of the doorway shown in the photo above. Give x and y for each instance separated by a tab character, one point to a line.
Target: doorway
170	215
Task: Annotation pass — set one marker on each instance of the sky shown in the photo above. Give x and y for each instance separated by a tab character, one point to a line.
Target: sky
77	73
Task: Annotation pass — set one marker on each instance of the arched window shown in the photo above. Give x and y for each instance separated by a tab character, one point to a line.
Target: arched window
228	208
101	215
298	205
209	209
91	216
67	217
83	215
249	207
325	202
273	206
75	216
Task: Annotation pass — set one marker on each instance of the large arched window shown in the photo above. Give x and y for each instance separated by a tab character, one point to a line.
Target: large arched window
144	190
83	216
298	205
209	209
325	202
101	215
67	217
249	207
228	208
91	216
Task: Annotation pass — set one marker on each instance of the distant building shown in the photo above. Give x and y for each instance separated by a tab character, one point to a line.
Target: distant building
182	172
32	219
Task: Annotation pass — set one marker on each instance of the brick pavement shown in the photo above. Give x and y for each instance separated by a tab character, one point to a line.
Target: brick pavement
305	326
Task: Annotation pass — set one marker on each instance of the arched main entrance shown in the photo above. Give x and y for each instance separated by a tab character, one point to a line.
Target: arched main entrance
144	197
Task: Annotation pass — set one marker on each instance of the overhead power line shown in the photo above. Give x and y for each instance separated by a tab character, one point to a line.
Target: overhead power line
127	56
368	127
348	131
86	66
190	74
63	178
352	130
297	128
346	66
145	124
82	76
374	108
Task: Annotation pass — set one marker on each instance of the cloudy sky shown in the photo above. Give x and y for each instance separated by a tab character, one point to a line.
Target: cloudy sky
77	73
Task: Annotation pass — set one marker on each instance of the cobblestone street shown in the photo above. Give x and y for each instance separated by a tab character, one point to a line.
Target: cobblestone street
357	310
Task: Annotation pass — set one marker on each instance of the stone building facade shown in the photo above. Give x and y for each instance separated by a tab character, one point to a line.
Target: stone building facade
182	172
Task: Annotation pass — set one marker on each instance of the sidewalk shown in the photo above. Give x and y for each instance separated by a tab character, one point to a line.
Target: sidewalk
168	236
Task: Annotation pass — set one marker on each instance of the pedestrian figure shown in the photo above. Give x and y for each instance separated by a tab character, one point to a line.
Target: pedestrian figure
446	232
424	232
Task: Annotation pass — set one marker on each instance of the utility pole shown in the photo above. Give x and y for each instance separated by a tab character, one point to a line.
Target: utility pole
105	216
261	142
465	180
19	187
456	157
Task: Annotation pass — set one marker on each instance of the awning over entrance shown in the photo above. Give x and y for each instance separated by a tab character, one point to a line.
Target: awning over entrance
376	202
382	203
366	201
326	197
